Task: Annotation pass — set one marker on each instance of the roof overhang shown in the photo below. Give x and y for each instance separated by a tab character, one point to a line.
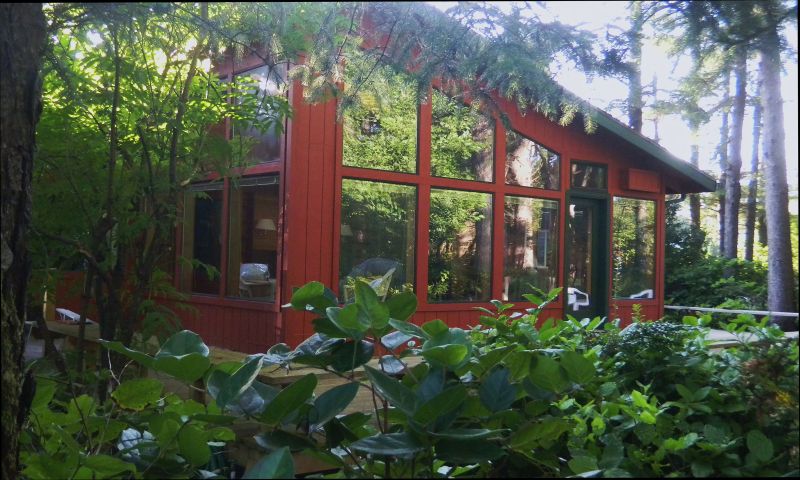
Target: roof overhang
695	180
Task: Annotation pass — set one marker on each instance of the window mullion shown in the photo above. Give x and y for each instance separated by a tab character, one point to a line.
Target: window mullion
223	264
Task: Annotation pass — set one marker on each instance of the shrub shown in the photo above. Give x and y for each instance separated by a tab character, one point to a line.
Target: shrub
506	398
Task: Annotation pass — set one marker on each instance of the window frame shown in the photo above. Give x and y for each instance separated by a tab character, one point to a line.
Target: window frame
658	245
553	150
424	180
229	78
275	167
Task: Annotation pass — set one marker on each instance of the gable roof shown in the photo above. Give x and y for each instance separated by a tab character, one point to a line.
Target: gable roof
697	180
690	179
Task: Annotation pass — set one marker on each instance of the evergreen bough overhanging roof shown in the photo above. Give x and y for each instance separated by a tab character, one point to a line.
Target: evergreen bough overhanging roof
532	88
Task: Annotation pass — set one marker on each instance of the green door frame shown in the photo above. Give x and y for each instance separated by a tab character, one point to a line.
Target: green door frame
601	248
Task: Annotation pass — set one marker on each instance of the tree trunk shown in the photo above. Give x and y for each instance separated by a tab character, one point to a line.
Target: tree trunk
733	173
635	68
762	226
694	198
22	38
779	273
752	187
723	164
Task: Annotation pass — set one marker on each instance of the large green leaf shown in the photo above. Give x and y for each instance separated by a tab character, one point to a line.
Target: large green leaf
395	444
289	400
469	434
496	391
468	451
186	367
45	390
182	343
541	433
448	347
445	355
408	328
441	405
239	381
106	466
759	445
547	374
348	356
193	446
138	393
307	294
141	357
402	305
368	302
435	327
332	402
278	464
582	464
579	368
392	390
348	320
314	297
325	326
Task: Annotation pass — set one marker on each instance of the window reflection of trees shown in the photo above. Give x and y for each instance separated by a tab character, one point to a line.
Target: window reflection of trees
634	248
380	130
462	141
460	255
531	245
262	87
529	164
585	175
377	231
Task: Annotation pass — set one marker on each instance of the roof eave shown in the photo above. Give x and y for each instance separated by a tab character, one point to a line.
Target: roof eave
701	180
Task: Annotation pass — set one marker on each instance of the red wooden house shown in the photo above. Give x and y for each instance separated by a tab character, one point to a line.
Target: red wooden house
437	197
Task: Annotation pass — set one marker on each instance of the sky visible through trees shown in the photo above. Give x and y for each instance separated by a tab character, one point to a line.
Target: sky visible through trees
609	93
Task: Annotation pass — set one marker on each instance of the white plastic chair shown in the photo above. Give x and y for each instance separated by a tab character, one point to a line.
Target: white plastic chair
572	298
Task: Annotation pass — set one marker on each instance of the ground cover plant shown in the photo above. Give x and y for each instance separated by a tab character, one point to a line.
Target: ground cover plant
514	396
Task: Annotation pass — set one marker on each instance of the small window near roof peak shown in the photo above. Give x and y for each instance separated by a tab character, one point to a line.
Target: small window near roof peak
589	175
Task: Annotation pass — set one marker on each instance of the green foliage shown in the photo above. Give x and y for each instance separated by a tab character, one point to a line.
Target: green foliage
512	396
694	278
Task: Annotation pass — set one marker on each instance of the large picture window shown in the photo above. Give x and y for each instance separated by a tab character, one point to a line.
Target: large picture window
462	141
263	87
460	249
377	236
385	183
202	237
529	164
253	232
253	238
634	248
531	246
380	132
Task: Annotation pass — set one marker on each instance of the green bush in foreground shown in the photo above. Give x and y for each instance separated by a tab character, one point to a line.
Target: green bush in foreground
506	398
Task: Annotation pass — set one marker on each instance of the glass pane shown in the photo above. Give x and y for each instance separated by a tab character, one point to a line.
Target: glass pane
581	228
261	86
253	234
381	130
587	175
531	236
460	256
634	248
202	238
377	236
462	141
529	164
